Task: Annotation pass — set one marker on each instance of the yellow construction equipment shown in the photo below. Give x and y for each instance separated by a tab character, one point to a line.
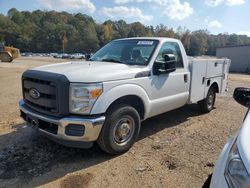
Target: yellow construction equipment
7	54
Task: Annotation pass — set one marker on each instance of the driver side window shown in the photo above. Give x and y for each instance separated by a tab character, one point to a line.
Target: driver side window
171	48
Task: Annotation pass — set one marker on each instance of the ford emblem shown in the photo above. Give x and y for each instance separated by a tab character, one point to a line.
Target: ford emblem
34	93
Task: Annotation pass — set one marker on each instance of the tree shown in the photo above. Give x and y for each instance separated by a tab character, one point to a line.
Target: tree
105	33
185	39
198	43
163	31
137	30
51	31
234	40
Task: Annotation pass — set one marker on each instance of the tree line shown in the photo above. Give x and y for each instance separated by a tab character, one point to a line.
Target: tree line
51	31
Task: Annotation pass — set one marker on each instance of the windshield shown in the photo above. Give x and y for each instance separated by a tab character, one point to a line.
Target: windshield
131	52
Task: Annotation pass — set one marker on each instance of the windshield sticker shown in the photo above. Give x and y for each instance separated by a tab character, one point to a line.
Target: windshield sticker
145	43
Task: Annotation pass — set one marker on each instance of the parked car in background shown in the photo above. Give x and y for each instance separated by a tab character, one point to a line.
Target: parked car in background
59	55
66	56
77	56
233	166
53	54
69	56
27	54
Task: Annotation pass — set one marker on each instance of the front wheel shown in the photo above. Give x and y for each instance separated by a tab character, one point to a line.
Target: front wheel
207	104
120	130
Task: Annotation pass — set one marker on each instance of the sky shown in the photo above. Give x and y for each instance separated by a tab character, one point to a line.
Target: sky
218	16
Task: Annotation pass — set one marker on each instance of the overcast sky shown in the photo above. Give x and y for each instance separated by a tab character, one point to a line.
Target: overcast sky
218	16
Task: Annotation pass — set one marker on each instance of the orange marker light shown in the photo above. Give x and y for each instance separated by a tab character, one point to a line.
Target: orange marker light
95	93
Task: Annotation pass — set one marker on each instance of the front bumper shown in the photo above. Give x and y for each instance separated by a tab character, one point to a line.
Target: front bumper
73	131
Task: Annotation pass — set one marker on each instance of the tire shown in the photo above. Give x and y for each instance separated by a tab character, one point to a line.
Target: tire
6	57
120	130
207	104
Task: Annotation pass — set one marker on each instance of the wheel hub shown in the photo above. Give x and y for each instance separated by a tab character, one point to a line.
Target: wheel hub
210	100
123	131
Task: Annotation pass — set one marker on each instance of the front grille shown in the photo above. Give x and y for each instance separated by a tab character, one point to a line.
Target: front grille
47	100
53	92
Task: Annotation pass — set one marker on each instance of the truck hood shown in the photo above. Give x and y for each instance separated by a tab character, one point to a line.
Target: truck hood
93	71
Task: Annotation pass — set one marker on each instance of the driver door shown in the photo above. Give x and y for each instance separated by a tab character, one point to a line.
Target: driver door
170	91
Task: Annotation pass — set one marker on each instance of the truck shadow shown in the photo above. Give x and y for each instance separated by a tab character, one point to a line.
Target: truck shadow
25	155
167	120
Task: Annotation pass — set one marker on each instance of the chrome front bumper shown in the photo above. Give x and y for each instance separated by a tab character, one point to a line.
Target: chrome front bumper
92	127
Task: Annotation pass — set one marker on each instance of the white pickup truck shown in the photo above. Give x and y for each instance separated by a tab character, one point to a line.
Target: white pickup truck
106	98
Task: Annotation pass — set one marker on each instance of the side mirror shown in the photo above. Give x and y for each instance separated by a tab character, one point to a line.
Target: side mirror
242	96
166	66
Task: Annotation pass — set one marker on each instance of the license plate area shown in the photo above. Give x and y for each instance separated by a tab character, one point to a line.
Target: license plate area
36	123
32	121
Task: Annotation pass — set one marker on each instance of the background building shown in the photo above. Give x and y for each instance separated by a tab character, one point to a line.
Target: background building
240	56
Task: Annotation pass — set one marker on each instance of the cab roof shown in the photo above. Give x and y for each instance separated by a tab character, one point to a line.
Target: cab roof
161	39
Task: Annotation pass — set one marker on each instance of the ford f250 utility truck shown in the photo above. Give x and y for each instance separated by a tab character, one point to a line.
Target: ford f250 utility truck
106	98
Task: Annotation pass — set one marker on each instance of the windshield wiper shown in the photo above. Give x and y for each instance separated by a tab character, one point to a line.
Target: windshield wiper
112	60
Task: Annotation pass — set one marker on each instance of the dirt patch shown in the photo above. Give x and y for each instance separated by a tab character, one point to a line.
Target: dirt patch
76	180
170	162
33	159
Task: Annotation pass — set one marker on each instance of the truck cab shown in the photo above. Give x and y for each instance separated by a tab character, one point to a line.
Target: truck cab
106	98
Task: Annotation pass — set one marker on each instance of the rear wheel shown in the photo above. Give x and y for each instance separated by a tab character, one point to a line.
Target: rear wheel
120	129
207	104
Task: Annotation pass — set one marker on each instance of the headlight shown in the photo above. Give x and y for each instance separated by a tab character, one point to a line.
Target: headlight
83	96
236	173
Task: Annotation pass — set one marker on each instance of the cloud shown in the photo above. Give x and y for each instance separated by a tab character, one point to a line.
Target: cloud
125	12
160	2
173	9
244	33
177	11
122	1
213	24
214	3
235	2
69	5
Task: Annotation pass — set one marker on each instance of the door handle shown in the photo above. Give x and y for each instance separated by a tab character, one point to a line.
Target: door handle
203	80
185	78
